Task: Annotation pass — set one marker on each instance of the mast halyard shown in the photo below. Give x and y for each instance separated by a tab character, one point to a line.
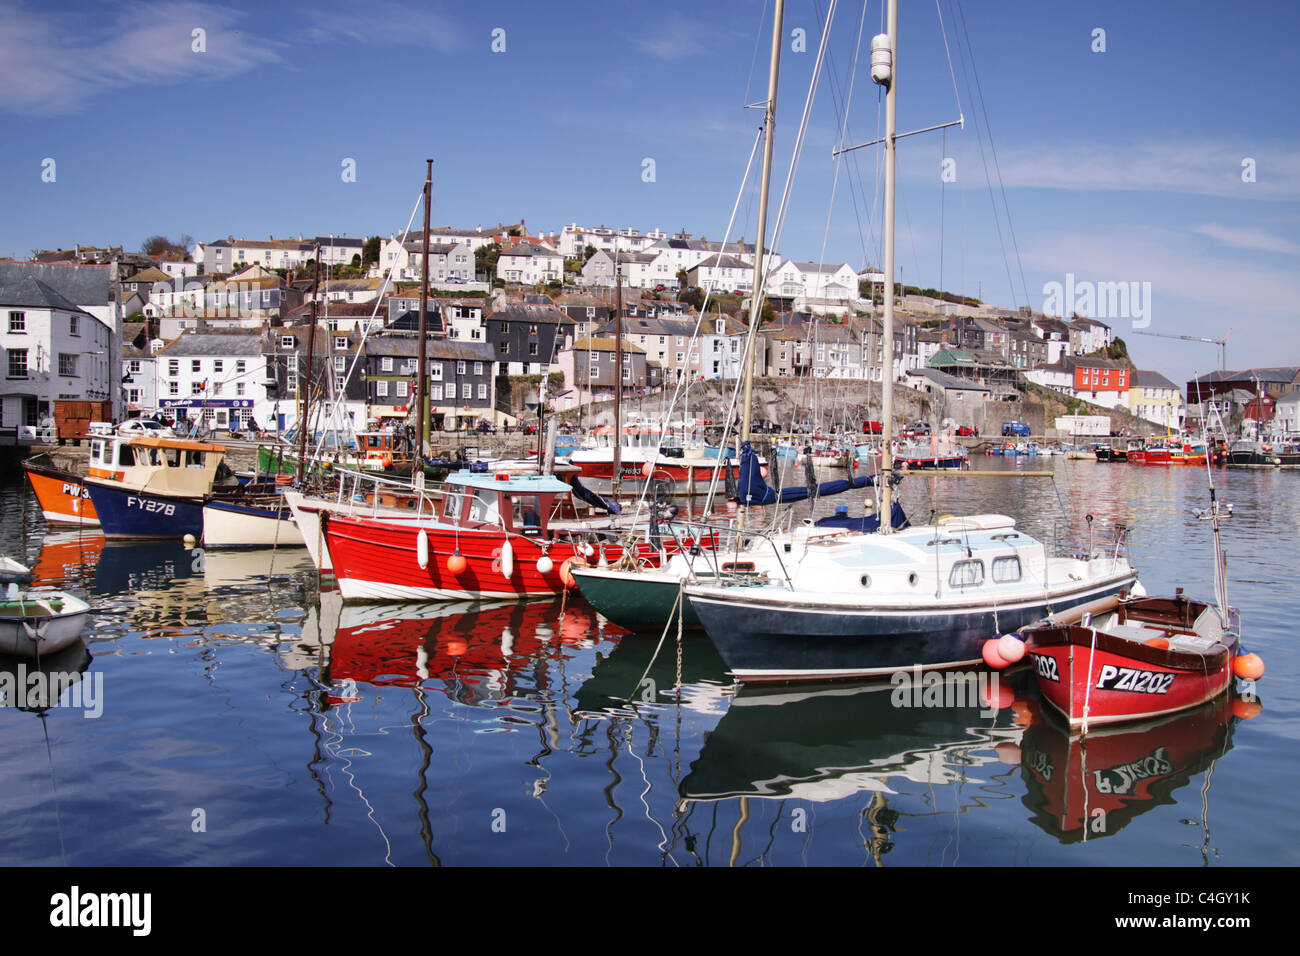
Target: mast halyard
422	364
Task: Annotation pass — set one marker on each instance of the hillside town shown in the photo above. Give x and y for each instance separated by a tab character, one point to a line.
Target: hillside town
218	334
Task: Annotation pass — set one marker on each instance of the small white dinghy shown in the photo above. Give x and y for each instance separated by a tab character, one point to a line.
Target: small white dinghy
34	624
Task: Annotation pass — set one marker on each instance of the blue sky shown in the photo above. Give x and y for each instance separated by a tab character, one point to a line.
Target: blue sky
1122	165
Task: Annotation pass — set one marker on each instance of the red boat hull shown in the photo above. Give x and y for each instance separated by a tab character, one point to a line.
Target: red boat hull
379	561
1120	680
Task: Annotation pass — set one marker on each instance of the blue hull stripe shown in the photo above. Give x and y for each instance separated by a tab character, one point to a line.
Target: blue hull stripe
125	513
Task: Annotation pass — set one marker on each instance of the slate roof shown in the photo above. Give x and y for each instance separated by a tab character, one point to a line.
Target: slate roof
1147	379
84	285
217	345
31	292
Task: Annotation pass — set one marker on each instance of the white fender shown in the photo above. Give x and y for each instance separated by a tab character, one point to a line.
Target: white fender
544	565
507	560
422	549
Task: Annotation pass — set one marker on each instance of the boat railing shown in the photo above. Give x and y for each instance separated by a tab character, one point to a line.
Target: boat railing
725	549
353	492
1088	542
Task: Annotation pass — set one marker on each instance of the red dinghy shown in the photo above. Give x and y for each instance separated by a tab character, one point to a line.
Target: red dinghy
1136	659
1133	658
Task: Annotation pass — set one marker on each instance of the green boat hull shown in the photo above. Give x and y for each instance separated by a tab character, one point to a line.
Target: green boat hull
636	600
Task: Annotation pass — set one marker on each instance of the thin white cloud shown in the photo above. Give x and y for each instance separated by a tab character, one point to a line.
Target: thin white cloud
391	23
51	64
673	38
1200	168
1255	239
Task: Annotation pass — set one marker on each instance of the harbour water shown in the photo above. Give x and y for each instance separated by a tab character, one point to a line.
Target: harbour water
231	714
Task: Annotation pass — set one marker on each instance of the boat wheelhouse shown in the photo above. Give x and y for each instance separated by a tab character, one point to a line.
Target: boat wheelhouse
160	492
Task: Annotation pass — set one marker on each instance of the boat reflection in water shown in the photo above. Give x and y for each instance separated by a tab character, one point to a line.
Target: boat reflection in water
838	743
35	686
1084	788
477	650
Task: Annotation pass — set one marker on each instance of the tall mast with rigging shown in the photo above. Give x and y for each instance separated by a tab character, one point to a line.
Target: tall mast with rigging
421	368
618	374
305	385
886	74
756	295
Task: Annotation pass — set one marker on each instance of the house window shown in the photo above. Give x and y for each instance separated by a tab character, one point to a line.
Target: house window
239	388
593	372
339	382
17	363
532	348
173	388
18	322
435	393
74	325
340	341
435	371
478	368
217	365
482	392
450	390
196	365
173	367
133	366
400	389
381	389
67	364
196	388
287	341
503	348
340	363
460	368
240	366
386	364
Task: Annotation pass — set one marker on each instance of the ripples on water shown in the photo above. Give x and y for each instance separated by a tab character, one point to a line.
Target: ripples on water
249	720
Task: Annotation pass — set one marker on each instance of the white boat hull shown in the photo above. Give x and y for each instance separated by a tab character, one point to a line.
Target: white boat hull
235	526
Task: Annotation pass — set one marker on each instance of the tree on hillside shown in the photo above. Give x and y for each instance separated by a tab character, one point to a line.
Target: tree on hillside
370	251
172	251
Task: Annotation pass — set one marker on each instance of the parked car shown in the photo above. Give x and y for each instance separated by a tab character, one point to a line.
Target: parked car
916	430
1015	428
872	428
965	431
144	426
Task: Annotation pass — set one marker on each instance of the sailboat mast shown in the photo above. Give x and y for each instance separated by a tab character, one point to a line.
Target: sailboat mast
756	296
618	376
887	328
421	368
305	385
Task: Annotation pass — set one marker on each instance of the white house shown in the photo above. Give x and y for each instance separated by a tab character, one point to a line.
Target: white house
530	264
55	353
222	378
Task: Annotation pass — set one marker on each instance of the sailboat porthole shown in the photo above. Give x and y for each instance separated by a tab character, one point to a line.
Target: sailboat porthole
912	579
866	580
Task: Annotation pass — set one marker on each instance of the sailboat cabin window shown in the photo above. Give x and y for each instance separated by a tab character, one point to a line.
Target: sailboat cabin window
1006	570
966	574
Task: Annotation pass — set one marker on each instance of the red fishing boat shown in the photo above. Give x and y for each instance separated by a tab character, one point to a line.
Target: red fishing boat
496	536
